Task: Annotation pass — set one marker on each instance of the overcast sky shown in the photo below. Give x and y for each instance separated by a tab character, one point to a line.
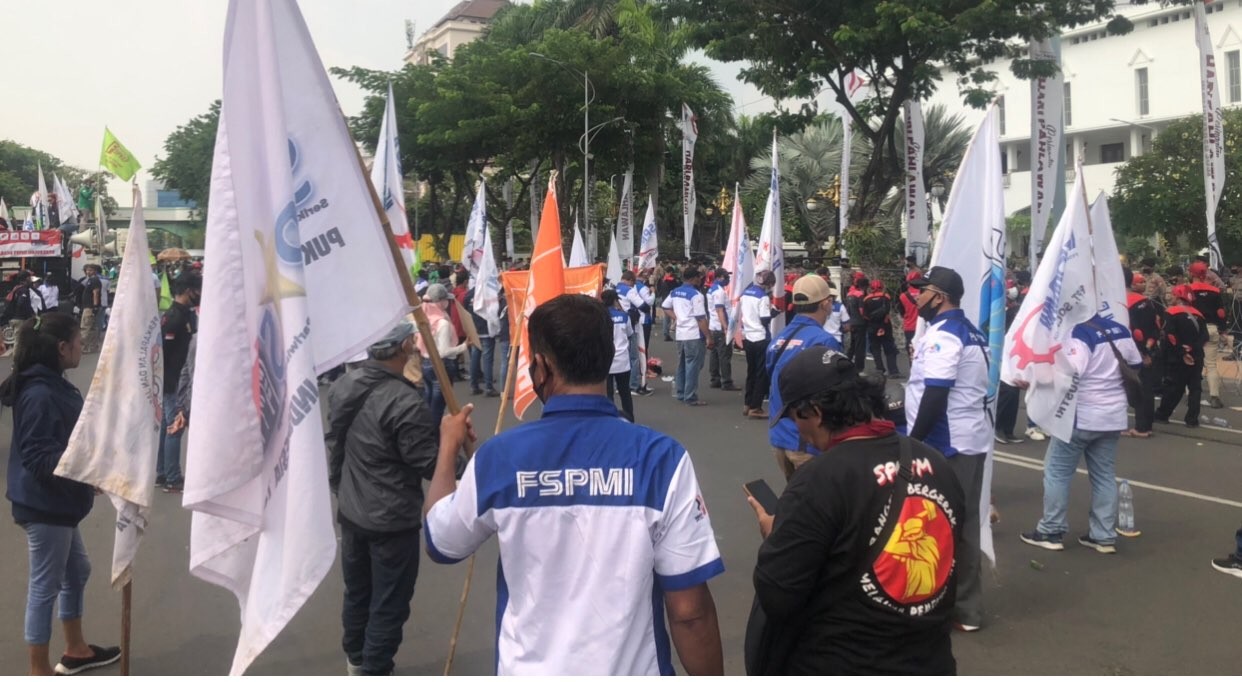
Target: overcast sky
143	67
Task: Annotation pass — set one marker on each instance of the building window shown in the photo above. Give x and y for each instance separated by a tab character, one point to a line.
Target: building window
1112	153
1067	107
1000	112
1140	90
1235	75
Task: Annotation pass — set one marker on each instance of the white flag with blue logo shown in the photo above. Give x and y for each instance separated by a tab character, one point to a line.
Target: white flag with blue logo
649	248
740	262
1062	294
291	220
971	241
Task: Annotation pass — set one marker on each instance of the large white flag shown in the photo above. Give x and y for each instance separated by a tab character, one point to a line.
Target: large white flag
613	271
625	218
386	176
689	200
771	252
918	231
1110	280
476	227
487	287
117	437
1047	105
971	241
64	202
39	207
649	248
1213	131
577	252
6	214
291	219
740	263
1063	294
843	202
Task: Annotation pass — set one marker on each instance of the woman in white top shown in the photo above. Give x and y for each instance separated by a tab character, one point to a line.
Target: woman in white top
436	304
619	373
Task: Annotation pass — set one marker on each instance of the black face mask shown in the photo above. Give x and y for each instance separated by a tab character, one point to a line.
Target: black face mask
539	388
929	310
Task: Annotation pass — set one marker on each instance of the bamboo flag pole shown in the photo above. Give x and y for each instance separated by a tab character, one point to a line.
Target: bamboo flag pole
465	588
127	600
420	316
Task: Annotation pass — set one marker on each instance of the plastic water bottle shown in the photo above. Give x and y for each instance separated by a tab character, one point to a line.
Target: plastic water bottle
1125	508
1217	421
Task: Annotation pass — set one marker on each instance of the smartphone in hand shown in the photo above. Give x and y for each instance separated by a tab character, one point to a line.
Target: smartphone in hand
763	494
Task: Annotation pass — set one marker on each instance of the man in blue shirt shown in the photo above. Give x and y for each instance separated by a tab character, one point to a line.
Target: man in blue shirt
812	304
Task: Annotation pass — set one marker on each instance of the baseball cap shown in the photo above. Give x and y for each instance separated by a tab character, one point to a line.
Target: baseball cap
396	336
1198	269
810	289
812	371
945	279
1138	279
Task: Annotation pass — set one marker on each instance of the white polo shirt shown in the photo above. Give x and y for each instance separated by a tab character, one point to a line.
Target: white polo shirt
1102	400
717	299
596	519
954	354
648	297
755	306
836	319
688	305
621	331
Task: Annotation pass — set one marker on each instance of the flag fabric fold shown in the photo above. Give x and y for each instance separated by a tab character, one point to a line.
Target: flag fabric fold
1047	128
649	247
613	271
116	440
740	263
476	227
1213	131
487	287
546	281
918	231
771	252
386	177
291	218
625	218
972	242
689	200
116	158
577	252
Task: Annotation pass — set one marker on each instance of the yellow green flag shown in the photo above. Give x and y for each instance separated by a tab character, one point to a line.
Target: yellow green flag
165	293
116	158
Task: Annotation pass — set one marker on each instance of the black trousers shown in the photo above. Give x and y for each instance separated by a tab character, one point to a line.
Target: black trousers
883	343
1145	413
620	382
1007	409
1179	379
756	373
379	572
857	351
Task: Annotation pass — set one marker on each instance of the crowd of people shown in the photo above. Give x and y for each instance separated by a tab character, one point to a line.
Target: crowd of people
868	559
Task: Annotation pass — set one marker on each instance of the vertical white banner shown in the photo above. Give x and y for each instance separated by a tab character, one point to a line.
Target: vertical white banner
117	438
918	230
844	200
771	252
577	251
1047	107
649	247
689	201
476	229
625	218
613	271
387	178
1213	132
508	196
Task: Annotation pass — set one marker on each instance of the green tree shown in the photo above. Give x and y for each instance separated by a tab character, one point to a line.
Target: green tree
795	50
19	173
188	151
1161	191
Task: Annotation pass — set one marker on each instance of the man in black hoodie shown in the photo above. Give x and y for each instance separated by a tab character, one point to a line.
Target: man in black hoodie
381	445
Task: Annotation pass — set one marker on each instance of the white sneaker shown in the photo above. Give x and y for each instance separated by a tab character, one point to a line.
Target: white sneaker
1035	434
351	669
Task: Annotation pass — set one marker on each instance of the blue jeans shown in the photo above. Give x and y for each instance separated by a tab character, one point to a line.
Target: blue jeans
690	356
1100	450
502	347
634	377
481	362
168	462
58	567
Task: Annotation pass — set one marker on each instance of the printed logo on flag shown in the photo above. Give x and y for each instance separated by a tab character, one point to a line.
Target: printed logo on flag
152	381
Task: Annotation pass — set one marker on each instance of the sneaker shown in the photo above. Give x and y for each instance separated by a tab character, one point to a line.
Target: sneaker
1043	540
159	481
730	387
715	385
174	487
1005	439
896	375
102	656
645	390
1215	402
1230	565
1160	419
962	627
476	391
1035	434
1101	547
351	668
493	393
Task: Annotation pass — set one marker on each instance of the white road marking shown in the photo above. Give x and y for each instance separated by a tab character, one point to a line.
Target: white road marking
1038	465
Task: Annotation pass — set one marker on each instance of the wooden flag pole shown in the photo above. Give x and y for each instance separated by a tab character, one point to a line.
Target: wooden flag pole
465	588
420	316
127	600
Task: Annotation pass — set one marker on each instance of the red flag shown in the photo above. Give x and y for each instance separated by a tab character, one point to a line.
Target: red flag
547	281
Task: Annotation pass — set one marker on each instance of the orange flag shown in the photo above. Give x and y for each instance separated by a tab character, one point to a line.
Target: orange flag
547	281
587	280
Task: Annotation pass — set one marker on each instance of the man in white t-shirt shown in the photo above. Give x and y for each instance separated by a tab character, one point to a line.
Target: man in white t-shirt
1099	418
601	524
687	308
756	313
947	408
632	304
720	364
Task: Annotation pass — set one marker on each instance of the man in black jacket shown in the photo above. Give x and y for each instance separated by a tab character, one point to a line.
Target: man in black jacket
381	445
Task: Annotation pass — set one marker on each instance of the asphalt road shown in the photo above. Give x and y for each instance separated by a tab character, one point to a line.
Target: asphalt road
1156	607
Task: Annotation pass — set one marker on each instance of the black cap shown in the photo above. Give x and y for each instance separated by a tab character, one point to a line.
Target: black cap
945	279
811	372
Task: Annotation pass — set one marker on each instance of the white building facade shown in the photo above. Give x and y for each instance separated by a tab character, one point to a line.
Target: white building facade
1120	92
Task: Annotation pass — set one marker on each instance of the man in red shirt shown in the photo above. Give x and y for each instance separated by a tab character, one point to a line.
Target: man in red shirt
910	310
